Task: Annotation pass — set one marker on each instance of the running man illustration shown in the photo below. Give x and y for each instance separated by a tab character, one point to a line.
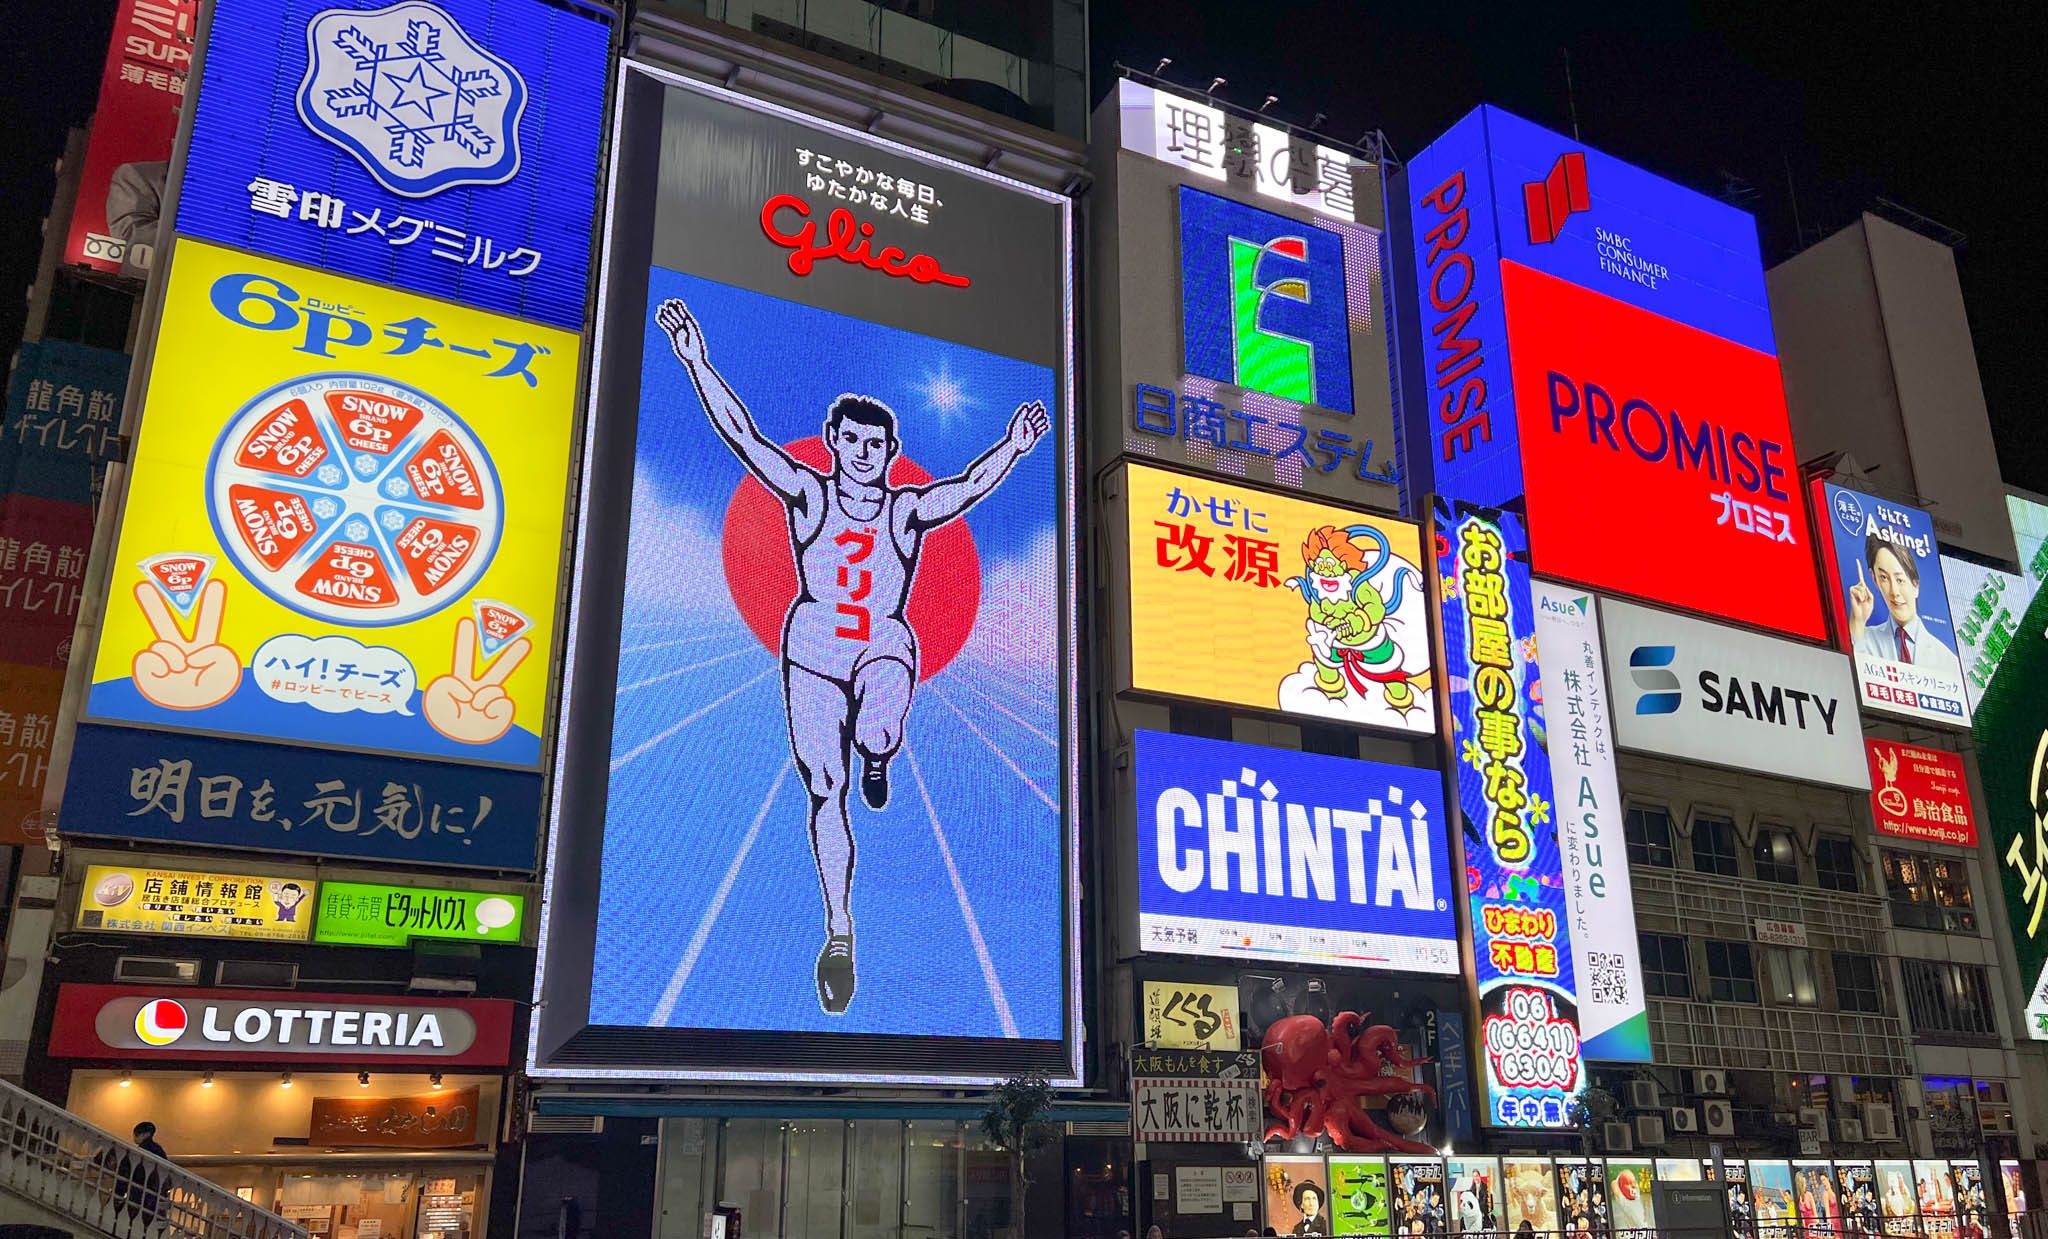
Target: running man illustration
849	657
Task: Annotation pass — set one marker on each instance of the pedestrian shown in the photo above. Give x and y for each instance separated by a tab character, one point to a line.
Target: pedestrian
146	1182
1154	1231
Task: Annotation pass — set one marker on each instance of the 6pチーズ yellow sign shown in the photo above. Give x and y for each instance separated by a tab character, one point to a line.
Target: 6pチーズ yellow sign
344	521
1249	598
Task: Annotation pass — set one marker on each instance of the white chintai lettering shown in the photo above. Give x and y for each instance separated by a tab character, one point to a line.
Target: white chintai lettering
1227	842
253	1024
1180	870
1310	863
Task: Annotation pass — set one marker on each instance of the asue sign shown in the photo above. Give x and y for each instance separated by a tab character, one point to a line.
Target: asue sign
1593	337
1704	692
128	1021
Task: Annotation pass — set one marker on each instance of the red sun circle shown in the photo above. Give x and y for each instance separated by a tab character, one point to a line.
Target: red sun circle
760	569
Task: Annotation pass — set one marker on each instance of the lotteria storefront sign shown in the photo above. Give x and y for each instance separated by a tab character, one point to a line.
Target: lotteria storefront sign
1598	340
127	1021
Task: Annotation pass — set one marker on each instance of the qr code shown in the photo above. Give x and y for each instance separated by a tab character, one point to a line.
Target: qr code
1609	977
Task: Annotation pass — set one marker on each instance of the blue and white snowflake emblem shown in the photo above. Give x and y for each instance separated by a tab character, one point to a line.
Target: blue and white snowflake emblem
410	94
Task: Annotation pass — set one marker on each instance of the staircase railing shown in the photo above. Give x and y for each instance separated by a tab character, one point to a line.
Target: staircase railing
53	1159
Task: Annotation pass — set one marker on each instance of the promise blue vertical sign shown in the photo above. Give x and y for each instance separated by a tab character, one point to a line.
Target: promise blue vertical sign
1521	937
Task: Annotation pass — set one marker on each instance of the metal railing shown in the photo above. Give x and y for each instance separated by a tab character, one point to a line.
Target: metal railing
66	1166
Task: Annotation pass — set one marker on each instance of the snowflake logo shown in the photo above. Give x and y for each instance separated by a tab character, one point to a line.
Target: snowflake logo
405	90
392	521
366	464
329	475
397	488
326	509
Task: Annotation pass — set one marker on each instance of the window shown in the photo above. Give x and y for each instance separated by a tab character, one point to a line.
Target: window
1776	856
1929	892
1731	972
1667	973
1944	997
1791	974
1649	837
1835	864
1713	845
1856	983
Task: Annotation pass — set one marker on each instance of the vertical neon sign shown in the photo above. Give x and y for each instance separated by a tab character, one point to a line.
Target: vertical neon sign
1514	873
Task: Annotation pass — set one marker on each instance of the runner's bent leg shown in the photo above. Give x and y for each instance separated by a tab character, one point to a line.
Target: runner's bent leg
881	699
818	729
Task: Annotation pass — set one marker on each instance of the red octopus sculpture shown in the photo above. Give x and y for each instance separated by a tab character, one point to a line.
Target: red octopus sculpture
1317	1080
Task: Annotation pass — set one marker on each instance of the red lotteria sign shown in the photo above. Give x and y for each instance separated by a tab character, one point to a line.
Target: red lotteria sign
1920	794
279	1027
1657	458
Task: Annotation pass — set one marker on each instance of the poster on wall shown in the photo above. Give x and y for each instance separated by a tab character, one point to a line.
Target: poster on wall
1250	598
1614	1022
1473	1195
1890	604
1629	1201
837	594
1297	1195
1856	1190
1418	1204
1935	1181
1519	915
1920	793
1582	1205
133	899
1973	1205
1741	1205
1350	867
1531	1192
1813	1192
1897	1199
1777	1210
1358	1196
128	154
340	531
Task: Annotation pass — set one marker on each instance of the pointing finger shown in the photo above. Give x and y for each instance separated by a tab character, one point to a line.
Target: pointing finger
465	651
207	617
508	662
161	622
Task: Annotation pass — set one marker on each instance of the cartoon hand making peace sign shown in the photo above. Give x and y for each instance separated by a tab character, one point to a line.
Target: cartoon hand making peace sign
471	708
181	674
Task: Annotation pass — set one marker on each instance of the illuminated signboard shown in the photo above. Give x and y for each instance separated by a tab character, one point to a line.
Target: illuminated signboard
1520	916
1890	604
1704	692
1262	302
2030	537
1274	854
1597	340
449	148
121	185
832	606
1254	599
1920	793
340	538
370	914
128	899
124	1022
1218	146
1986	605
2011	729
1614	1024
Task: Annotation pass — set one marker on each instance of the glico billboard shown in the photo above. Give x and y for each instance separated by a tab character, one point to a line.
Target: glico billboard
1596	340
819	719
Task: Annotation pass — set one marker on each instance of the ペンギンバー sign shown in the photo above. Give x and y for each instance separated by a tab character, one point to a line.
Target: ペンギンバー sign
132	1021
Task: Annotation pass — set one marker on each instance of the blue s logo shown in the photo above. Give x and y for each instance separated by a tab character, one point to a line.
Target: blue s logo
1650	667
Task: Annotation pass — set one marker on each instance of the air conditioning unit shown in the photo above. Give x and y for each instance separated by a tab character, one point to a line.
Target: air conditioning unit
1842	1089
1710	1082
1852	1131
1615	1136
1815	1118
1649	1130
1878	1122
1642	1094
1685	1120
1717	1116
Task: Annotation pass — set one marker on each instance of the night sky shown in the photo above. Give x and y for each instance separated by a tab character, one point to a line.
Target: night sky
1831	105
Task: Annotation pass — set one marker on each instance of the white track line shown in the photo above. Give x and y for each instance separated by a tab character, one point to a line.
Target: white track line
672	729
988	965
674	990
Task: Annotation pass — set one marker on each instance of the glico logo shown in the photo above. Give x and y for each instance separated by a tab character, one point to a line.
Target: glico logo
847	240
1650	667
1560	195
160	1022
1263	302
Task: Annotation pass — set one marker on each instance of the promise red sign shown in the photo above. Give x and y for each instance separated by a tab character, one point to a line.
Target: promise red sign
1920	794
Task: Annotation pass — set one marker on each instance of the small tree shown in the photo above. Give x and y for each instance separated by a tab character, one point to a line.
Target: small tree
1594	1107
1015	1123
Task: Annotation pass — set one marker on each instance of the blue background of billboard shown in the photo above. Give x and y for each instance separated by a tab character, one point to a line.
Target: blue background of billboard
1715	281
1545	863
1199	765
707	868
248	126
1208	224
54	453
105	804
1933	601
